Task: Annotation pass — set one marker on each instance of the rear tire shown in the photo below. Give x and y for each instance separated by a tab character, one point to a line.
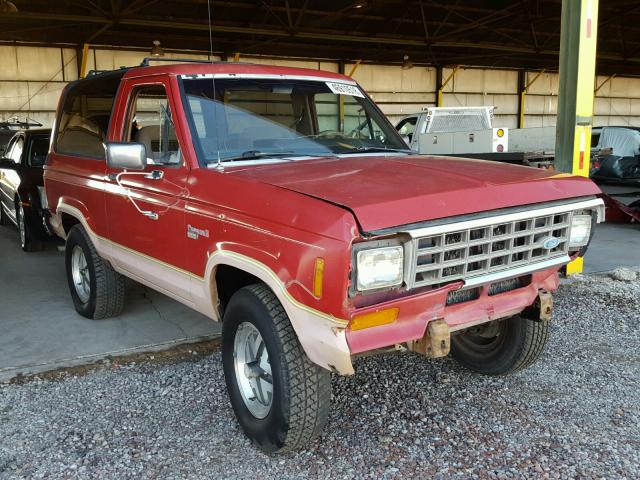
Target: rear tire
297	409
501	347
96	288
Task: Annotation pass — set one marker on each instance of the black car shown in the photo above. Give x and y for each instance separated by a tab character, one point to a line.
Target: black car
22	197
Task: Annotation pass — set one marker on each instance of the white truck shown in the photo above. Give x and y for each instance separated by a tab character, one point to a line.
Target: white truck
469	132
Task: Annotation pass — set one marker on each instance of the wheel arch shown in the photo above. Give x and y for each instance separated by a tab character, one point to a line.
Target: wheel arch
323	337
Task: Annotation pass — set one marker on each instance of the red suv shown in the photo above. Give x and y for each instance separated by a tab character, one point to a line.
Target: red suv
282	202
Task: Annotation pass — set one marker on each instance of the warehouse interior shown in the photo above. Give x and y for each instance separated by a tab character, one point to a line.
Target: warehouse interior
499	48
407	55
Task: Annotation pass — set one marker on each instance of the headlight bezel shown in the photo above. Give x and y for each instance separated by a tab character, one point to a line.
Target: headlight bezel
584	220
374	245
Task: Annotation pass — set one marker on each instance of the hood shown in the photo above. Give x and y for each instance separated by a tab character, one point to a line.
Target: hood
385	191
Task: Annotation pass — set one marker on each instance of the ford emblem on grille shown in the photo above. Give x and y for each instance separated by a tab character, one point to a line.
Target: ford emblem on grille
551	243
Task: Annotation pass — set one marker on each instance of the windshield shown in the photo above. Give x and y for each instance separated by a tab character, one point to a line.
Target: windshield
253	118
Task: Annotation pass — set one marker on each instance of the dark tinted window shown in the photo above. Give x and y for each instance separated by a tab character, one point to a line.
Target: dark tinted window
38	150
84	120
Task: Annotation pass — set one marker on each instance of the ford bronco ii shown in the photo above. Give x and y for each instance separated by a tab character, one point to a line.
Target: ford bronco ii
282	203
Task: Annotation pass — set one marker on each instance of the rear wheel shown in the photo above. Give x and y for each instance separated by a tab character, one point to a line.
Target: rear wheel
280	398
501	347
96	288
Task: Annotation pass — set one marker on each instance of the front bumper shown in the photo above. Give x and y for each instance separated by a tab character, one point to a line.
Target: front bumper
416	311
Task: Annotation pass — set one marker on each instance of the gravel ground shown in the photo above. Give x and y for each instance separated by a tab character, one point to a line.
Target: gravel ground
576	413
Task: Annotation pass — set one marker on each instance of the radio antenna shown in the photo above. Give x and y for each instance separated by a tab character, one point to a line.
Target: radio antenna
213	81
210	31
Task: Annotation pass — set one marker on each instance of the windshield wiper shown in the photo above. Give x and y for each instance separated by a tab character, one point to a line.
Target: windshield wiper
377	149
258	154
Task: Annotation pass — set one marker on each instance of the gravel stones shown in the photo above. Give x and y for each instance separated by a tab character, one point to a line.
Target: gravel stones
576	413
624	275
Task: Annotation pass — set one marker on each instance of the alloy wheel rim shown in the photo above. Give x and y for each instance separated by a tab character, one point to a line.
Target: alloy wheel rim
80	274
253	370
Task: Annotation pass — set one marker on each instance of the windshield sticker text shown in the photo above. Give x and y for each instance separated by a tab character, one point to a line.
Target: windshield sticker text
344	89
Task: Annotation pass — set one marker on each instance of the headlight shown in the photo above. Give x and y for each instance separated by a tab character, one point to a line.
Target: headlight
43	198
580	231
379	268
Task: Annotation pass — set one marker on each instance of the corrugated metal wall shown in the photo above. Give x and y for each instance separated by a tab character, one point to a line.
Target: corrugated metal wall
31	79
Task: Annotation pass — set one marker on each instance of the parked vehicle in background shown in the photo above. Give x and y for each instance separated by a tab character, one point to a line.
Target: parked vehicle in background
615	155
9	128
469	132
283	203
22	198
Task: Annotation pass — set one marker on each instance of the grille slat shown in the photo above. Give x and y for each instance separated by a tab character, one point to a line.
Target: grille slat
461	254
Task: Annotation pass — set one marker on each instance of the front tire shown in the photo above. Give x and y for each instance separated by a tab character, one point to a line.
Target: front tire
501	347
96	288
25	232
4	220
280	398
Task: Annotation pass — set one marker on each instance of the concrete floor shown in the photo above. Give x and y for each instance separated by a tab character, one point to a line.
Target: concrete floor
40	330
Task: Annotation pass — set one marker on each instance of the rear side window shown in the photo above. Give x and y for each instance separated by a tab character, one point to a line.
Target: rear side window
84	120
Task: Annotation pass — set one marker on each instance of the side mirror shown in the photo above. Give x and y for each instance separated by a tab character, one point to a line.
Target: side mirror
129	156
8	164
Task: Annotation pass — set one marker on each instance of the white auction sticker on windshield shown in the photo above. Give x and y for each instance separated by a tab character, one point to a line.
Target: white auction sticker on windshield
344	89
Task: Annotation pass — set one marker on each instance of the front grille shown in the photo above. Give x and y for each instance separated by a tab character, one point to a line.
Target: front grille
487	248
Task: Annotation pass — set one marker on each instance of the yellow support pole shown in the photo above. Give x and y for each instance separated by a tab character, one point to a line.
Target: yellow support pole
236	57
444	84
578	42
83	63
523	95
341	98
604	82
354	68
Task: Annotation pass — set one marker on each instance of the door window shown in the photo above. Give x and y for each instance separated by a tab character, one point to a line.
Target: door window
150	123
407	127
38	150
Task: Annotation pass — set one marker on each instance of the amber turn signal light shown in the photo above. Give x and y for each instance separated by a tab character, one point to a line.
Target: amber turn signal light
375	319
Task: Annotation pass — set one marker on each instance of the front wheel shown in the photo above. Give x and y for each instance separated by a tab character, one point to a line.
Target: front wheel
96	288
501	347
280	398
25	231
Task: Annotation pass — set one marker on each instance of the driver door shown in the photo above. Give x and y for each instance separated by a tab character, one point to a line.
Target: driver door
146	209
10	178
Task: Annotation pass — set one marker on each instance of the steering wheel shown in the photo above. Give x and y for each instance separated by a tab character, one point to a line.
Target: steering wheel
330	134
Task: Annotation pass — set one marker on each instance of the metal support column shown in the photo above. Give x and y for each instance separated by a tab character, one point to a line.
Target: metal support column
83	62
578	38
524	88
444	84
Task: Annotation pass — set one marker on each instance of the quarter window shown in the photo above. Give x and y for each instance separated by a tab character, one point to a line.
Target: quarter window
84	121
